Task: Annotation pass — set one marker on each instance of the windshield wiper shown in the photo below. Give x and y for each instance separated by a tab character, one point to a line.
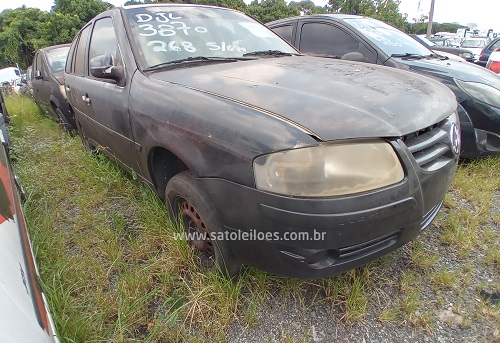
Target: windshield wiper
196	59
274	53
408	56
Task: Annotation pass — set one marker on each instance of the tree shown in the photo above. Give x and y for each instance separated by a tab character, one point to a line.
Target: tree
308	7
84	9
269	10
21	34
385	10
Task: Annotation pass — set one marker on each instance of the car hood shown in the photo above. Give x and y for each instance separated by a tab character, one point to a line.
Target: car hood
445	69
332	99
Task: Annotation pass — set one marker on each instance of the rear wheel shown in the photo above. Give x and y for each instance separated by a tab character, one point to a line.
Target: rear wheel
190	205
66	123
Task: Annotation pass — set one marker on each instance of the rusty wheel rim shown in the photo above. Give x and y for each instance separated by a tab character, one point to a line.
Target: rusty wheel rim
198	234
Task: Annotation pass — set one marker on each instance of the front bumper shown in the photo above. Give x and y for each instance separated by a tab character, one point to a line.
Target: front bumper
313	238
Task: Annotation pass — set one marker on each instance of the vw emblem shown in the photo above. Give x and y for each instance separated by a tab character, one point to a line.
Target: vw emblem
455	138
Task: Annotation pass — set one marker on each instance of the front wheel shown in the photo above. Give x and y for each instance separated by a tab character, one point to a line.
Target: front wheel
190	205
66	123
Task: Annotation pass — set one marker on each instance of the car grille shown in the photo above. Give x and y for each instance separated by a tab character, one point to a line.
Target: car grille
431	146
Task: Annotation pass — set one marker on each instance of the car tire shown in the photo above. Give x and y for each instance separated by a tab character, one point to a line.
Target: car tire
190	205
65	122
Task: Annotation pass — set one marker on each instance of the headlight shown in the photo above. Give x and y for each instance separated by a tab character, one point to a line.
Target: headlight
466	55
329	169
63	91
481	92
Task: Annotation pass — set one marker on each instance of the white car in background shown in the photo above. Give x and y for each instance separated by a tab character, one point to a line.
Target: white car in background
476	45
494	61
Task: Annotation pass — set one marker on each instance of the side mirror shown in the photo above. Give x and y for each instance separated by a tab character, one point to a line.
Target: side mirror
38	75
353	56
102	67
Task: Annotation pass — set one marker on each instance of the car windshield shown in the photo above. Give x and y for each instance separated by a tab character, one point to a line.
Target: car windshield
389	39
426	41
57	58
176	33
473	43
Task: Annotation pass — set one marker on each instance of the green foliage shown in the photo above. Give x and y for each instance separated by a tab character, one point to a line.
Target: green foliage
385	10
421	27
308	7
84	9
269	10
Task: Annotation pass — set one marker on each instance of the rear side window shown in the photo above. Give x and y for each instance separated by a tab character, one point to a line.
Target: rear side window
103	40
495	45
285	32
69	61
38	64
79	61
327	40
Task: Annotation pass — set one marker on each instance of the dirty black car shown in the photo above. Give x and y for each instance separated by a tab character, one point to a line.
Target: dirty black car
372	41
297	165
48	84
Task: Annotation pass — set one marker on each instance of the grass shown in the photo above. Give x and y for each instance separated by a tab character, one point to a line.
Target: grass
112	271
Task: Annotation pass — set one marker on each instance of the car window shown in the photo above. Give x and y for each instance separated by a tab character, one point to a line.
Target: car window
71	56
387	38
473	43
285	32
79	61
103	40
38	64
57	58
495	45
328	40
182	32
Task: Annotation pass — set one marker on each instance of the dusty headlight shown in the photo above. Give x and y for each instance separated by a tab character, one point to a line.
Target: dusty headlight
481	91
63	91
329	169
466	55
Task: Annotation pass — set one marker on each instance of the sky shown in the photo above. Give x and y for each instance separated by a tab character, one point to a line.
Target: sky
484	13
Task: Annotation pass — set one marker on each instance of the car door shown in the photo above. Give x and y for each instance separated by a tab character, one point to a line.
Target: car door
325	39
105	117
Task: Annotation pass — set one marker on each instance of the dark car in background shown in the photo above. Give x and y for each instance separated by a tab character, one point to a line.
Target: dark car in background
297	165
463	53
487	50
48	84
24	314
369	40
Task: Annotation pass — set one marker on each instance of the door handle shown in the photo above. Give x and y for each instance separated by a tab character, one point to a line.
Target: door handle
68	88
86	98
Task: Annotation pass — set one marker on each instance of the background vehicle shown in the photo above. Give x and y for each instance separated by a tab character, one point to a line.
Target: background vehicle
476	45
48	84
24	314
463	53
487	50
373	41
245	137
9	74
494	61
29	81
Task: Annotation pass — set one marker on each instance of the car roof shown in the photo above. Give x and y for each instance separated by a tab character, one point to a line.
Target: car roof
335	16
52	47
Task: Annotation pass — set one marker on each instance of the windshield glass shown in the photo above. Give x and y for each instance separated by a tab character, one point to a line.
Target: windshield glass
389	39
473	43
57	58
171	33
426	41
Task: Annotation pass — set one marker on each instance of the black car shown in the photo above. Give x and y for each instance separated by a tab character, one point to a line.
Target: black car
297	165
431	44
369	40
487	50
48	84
